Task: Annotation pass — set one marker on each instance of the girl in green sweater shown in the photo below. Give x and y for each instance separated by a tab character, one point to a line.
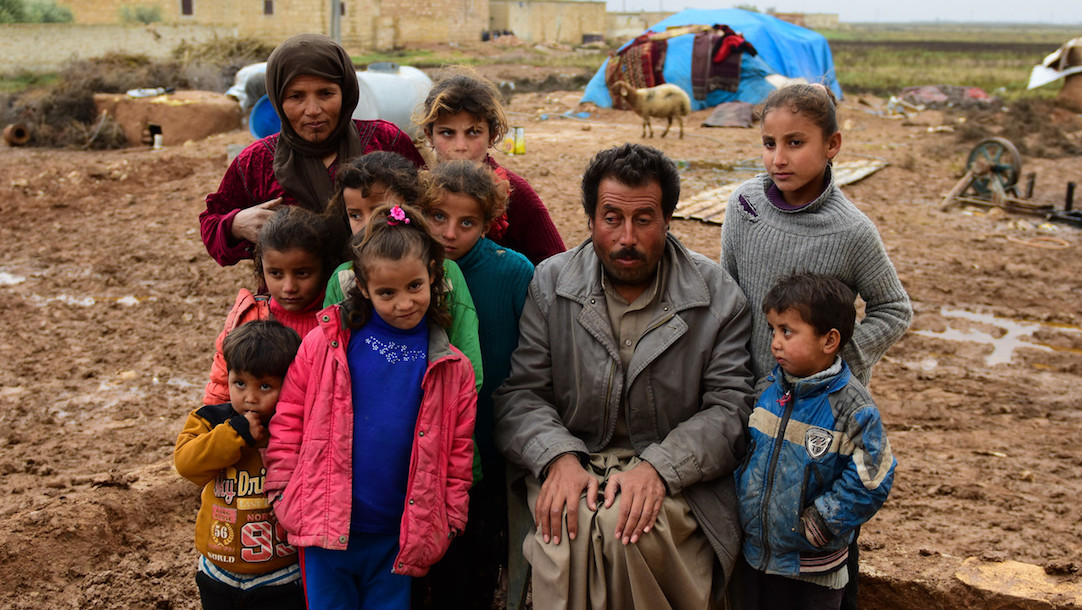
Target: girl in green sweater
362	185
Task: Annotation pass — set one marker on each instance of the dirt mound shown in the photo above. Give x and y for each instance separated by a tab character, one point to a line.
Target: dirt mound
1038	128
106	529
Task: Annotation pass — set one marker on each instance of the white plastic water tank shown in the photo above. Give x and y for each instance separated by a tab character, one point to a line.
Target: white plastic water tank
392	92
249	85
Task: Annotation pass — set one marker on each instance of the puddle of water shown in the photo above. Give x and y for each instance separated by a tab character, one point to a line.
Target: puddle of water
1016	334
129	301
8	279
41	301
183	384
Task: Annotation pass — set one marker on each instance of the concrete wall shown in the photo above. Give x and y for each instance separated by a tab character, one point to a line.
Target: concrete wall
204	12
621	27
108	11
821	21
288	17
47	46
548	20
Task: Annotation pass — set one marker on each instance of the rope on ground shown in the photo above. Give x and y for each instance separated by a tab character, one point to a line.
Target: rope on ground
1040	241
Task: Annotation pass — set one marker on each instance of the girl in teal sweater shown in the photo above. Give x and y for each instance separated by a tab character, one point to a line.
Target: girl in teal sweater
462	199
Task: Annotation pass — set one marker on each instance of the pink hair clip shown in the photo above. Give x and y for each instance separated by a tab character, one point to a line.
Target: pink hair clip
397	215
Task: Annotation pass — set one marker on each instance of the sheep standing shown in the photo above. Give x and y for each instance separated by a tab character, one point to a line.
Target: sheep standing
663	101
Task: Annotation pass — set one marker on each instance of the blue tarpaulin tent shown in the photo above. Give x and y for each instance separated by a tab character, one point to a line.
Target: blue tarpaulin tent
783	48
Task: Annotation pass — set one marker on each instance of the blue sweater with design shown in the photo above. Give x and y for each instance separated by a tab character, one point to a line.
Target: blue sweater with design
386	367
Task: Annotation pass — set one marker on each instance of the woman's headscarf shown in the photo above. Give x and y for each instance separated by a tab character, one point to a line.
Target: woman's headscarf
298	163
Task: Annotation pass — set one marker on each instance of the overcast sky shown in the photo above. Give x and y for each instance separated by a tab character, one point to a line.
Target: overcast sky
1040	11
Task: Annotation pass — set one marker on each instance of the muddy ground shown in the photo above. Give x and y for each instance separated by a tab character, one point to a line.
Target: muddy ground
112	305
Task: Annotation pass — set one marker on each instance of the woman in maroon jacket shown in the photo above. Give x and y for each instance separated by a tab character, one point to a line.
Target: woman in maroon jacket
312	85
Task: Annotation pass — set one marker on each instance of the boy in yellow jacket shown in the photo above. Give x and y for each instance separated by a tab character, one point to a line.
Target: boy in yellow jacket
244	560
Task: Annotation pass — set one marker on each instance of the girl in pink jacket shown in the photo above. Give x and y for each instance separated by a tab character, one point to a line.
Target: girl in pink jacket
293	261
369	462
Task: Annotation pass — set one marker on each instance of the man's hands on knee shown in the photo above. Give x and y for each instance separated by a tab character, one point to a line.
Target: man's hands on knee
563	485
641	493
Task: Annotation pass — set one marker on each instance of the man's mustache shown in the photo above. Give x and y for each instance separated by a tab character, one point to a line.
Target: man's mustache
628	253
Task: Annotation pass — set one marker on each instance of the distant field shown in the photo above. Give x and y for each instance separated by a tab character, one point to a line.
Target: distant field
882	59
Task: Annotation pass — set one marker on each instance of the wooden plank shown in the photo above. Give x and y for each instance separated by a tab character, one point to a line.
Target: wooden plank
709	206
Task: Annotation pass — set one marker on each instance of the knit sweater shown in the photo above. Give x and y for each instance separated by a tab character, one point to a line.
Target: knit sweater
764	239
499	279
386	368
301	321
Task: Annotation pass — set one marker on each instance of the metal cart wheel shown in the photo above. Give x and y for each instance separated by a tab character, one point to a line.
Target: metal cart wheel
994	160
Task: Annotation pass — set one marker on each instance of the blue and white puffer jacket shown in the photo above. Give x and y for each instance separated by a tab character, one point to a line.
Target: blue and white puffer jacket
818	448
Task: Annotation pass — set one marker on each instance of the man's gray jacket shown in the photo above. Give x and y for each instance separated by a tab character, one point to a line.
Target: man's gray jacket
686	394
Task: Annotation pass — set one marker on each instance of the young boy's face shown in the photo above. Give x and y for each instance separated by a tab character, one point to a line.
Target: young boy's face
799	349
259	395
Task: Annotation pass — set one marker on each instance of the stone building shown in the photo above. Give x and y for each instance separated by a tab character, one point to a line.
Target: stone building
621	26
562	21
364	24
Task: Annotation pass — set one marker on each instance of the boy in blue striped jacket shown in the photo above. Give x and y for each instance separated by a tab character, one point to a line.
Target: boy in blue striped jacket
818	464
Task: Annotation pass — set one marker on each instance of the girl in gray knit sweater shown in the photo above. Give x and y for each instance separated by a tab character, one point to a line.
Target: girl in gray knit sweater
795	219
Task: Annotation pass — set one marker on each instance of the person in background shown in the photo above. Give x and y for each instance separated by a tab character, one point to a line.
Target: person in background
244	559
794	218
361	185
820	463
384	178
463	118
312	84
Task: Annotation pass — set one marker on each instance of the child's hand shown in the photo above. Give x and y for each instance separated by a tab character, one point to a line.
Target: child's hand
255	426
814	528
